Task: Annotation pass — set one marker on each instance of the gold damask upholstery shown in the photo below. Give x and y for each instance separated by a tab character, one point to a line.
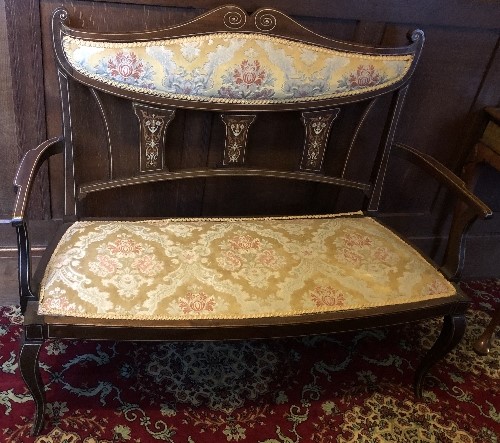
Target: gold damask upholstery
233	268
234	68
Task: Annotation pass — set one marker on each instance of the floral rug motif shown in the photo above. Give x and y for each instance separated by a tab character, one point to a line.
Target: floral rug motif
350	387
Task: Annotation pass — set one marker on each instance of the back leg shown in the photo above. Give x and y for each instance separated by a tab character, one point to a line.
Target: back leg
451	334
30	371
483	343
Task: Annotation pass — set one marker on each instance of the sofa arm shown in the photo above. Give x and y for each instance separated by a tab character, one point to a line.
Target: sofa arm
27	171
463	219
445	177
23	183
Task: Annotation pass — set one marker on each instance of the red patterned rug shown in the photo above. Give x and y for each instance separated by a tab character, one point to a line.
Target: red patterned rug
354	387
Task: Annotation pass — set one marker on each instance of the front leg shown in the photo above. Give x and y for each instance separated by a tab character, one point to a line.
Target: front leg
24	266
30	371
451	334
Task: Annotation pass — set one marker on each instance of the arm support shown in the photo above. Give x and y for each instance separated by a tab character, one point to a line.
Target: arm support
23	182
473	207
26	173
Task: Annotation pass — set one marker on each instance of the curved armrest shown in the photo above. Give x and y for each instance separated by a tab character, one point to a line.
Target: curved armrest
23	182
462	219
26	173
445	177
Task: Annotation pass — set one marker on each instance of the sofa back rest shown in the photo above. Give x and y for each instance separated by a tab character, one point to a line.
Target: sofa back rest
228	63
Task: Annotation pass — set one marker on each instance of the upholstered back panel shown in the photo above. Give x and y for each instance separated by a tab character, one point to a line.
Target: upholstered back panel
229	60
234	68
135	112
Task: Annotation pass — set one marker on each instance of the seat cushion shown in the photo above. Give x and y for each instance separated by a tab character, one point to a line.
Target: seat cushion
233	268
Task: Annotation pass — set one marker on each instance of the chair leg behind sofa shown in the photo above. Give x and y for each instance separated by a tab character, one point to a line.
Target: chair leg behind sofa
30	371
451	334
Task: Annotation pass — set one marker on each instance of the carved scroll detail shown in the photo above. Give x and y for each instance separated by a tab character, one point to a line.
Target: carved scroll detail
153	124
317	125
236	138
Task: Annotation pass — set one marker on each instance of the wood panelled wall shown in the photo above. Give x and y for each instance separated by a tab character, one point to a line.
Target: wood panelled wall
458	75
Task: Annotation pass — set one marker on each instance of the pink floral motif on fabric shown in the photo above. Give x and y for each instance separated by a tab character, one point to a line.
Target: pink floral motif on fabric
125	247
126	264
124	65
327	296
197	303
59	300
383	255
250	258
230	261
350	256
245	242
249	72
355	239
105	265
147	265
269	259
364	77
248	80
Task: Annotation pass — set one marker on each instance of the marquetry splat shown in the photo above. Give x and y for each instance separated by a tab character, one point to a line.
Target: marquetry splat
153	124
317	130
236	138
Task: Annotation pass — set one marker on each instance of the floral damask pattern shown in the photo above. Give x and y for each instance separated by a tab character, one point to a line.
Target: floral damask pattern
250	258
126	264
125	67
196	303
248	81
327	296
239	268
381	262
234	67
365	76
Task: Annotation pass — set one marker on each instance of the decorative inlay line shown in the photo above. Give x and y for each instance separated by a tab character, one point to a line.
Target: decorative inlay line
265	21
317	126
235	19
153	124
104	117
236	138
356	133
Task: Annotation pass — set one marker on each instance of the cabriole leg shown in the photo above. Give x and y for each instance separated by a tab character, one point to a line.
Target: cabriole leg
30	371
483	343
451	334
